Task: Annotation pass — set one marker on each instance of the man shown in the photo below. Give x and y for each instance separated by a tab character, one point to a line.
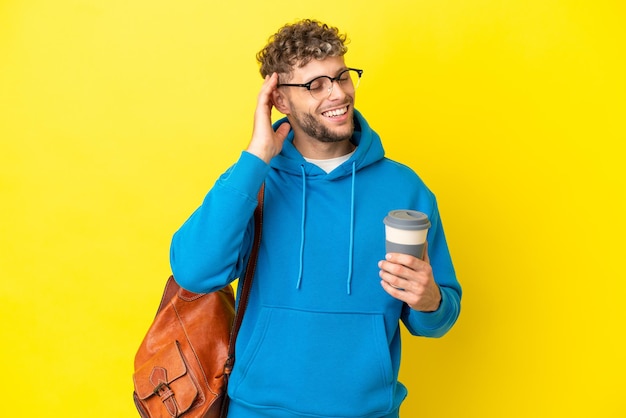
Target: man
321	333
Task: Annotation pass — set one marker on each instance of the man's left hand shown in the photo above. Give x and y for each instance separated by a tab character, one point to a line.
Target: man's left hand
410	280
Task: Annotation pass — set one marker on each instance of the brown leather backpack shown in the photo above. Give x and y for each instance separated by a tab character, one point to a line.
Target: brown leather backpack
183	364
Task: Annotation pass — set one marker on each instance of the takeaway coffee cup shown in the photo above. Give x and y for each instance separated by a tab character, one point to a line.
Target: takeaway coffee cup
405	232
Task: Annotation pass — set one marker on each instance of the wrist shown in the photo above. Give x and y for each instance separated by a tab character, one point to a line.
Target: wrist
260	152
437	301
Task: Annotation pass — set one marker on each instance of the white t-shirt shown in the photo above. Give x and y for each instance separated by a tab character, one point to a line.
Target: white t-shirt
330	164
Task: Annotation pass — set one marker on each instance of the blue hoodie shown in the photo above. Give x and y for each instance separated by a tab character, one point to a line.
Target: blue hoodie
320	337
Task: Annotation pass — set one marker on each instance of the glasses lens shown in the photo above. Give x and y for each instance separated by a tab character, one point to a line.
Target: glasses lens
320	88
354	77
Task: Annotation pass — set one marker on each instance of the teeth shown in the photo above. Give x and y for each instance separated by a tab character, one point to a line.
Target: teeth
337	112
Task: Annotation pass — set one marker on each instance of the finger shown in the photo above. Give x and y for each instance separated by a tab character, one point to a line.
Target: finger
264	101
405	277
403	259
283	131
392	268
394	292
269	85
272	81
393	280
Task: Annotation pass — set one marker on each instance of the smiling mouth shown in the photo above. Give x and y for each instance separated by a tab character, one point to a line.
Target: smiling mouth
335	112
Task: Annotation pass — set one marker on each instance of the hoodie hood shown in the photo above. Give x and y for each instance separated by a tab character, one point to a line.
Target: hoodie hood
369	150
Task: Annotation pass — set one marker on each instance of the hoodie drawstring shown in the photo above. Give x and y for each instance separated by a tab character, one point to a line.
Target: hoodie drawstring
351	253
302	227
303	222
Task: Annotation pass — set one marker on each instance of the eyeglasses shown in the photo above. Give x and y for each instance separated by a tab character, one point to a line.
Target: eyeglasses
322	87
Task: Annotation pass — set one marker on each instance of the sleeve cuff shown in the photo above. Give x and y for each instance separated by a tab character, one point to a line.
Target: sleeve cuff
436	323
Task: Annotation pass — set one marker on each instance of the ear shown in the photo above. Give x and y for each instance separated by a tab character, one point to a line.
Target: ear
280	102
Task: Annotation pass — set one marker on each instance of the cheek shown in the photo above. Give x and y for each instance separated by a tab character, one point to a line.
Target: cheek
305	104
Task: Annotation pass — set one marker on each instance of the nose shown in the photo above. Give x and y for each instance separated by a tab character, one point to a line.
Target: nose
335	91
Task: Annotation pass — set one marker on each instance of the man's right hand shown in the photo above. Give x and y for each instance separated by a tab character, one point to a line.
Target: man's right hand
267	143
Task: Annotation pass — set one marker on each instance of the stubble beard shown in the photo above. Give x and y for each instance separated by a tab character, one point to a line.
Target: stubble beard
313	128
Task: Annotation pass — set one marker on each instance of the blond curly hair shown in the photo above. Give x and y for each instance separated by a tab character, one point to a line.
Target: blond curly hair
297	44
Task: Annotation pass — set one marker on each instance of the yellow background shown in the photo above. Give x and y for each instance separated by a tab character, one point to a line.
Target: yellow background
116	116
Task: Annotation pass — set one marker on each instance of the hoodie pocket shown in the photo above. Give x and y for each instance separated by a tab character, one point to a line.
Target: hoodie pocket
316	364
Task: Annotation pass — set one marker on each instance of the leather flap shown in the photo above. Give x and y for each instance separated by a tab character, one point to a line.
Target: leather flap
163	368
